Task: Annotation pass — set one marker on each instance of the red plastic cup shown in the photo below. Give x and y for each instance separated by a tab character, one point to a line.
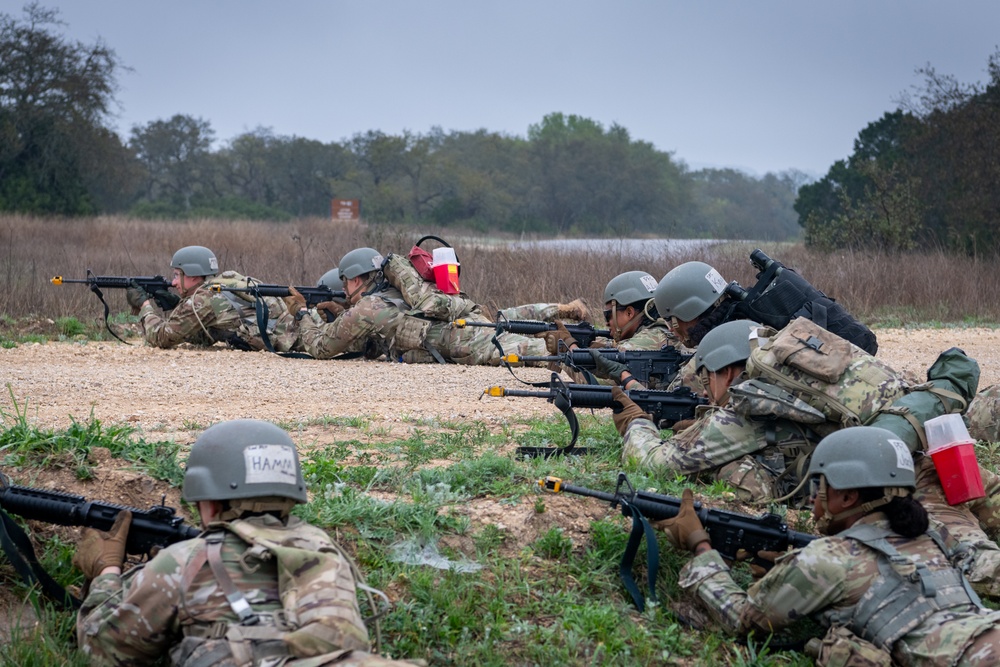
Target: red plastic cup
446	278
959	471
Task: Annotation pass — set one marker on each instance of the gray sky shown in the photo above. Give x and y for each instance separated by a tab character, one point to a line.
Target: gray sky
755	84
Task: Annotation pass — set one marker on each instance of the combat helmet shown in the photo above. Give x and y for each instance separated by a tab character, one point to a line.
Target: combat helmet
688	290
195	260
629	288
331	280
243	458
861	457
726	344
358	262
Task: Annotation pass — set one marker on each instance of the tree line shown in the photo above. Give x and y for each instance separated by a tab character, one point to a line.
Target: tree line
568	175
923	176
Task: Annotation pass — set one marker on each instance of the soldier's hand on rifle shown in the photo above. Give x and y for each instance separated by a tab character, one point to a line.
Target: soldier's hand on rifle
764	561
628	412
294	301
684	530
330	310
608	368
136	296
560	340
99	550
165	299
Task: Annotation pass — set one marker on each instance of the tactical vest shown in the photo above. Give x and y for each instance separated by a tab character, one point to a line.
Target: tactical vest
906	593
316	584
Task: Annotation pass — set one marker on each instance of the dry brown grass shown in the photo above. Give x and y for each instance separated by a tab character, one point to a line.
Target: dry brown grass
876	288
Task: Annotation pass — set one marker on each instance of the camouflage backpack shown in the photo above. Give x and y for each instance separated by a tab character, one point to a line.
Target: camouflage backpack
809	375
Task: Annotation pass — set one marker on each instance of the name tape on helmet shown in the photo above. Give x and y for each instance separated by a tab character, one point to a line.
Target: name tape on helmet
267	464
377	261
649	282
716	280
213	263
904	460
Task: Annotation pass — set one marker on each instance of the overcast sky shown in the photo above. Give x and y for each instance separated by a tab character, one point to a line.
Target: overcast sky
754	84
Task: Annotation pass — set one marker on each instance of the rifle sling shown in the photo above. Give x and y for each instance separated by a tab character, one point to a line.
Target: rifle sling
21	555
107	311
640	527
263	315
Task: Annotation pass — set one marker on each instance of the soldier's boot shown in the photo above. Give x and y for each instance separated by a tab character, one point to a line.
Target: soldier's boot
574	310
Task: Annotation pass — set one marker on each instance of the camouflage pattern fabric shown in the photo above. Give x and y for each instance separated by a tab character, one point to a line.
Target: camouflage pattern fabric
690	377
474	345
375	316
651	336
725	445
829	575
983	415
207	317
144	614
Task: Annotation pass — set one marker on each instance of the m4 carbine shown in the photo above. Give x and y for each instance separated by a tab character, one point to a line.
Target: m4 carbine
151	529
313	295
584	332
730	532
659	366
157	287
665	407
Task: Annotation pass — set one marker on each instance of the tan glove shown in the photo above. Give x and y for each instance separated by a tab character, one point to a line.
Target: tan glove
758	571
629	411
294	301
330	310
553	339
682	424
99	550
684	530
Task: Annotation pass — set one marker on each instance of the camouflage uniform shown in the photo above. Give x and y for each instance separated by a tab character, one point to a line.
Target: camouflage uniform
983	415
206	317
751	456
174	603
829	576
385	318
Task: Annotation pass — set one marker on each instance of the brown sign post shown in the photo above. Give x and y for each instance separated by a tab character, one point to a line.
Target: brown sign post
345	210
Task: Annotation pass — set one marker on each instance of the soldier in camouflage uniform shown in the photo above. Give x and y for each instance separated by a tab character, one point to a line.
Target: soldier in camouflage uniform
762	457
884	583
380	314
983	415
204	317
257	587
634	324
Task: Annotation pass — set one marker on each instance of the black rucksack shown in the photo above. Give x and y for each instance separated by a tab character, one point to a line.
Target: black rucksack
781	295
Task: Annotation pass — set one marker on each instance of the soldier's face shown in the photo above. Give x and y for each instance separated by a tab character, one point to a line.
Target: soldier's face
354	287
185	285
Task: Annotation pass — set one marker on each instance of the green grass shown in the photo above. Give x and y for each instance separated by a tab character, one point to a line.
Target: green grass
557	599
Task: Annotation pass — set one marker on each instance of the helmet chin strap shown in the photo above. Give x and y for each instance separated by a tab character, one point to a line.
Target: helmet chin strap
617	332
826	519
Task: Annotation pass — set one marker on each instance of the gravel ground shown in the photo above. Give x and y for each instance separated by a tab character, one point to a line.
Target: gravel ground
184	389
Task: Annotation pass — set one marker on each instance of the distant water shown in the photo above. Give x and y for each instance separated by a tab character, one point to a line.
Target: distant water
638	248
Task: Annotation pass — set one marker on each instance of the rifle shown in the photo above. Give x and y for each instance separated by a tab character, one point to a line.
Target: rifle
151	529
157	287
313	295
730	532
663	406
661	365
584	332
